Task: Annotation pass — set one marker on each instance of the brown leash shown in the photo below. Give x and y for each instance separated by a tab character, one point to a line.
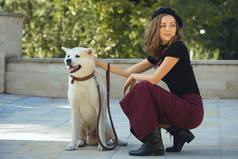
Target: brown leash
109	112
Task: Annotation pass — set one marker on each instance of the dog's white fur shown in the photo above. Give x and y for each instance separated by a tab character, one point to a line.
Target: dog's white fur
83	98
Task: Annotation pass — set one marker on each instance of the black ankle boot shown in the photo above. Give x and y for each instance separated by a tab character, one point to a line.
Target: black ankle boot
152	146
180	137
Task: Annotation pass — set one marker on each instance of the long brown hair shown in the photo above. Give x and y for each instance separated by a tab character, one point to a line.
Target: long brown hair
152	42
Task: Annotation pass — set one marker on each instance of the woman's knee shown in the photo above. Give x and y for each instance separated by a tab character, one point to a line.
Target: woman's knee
143	83
146	84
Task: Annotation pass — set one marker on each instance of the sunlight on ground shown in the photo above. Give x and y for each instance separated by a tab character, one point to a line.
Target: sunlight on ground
34	132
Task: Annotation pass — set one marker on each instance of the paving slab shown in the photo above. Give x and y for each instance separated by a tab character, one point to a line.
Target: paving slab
38	128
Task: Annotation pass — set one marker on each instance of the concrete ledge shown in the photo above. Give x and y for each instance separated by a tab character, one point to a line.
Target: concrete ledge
118	61
35	60
215	62
48	77
11	14
61	60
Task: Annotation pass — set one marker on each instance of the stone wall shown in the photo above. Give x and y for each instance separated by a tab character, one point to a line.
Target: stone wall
49	77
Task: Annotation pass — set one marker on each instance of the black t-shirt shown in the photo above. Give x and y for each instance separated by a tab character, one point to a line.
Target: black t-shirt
180	79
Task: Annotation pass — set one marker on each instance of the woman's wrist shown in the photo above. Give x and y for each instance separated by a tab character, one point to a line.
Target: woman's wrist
133	75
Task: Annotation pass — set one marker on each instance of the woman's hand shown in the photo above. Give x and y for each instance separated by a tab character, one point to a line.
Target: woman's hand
129	82
95	59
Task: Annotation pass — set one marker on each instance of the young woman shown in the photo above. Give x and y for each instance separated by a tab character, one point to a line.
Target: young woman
150	107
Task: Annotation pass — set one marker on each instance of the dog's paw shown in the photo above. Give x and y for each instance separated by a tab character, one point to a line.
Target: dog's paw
100	148
122	142
81	143
71	147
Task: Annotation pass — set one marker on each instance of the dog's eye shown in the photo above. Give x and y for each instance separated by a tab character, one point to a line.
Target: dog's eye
68	56
77	56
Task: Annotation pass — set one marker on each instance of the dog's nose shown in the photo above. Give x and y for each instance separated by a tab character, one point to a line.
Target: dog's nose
68	61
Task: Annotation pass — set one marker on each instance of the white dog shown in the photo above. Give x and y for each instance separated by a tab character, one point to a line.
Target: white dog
83	98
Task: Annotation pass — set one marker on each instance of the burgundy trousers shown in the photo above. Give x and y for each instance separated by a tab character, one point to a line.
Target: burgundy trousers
148	105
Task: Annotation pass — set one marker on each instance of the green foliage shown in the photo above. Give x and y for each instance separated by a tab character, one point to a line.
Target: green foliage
219	19
115	28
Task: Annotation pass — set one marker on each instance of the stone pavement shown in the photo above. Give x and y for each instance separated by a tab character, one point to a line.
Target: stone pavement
37	128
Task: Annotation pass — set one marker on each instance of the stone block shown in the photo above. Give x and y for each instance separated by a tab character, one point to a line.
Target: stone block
59	84
2	88
2	27
13	47
11	34
58	94
27	81
2	41
212	85
27	67
38	81
16	80
219	72
2	59
2	71
57	68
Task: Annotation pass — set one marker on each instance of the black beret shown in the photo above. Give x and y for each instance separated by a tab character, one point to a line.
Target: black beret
170	12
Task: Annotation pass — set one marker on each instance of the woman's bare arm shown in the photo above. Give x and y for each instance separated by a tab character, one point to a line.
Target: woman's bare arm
125	71
160	72
155	77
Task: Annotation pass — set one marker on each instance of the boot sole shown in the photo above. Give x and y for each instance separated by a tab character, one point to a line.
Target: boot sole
149	154
188	140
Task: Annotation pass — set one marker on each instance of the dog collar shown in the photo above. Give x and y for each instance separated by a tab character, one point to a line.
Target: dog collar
81	79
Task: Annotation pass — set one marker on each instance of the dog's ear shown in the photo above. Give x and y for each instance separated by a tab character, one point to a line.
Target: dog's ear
91	51
65	49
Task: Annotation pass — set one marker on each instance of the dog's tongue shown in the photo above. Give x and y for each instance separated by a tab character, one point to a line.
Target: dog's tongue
70	69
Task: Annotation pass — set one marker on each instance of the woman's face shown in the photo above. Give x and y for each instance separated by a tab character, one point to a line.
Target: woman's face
167	28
